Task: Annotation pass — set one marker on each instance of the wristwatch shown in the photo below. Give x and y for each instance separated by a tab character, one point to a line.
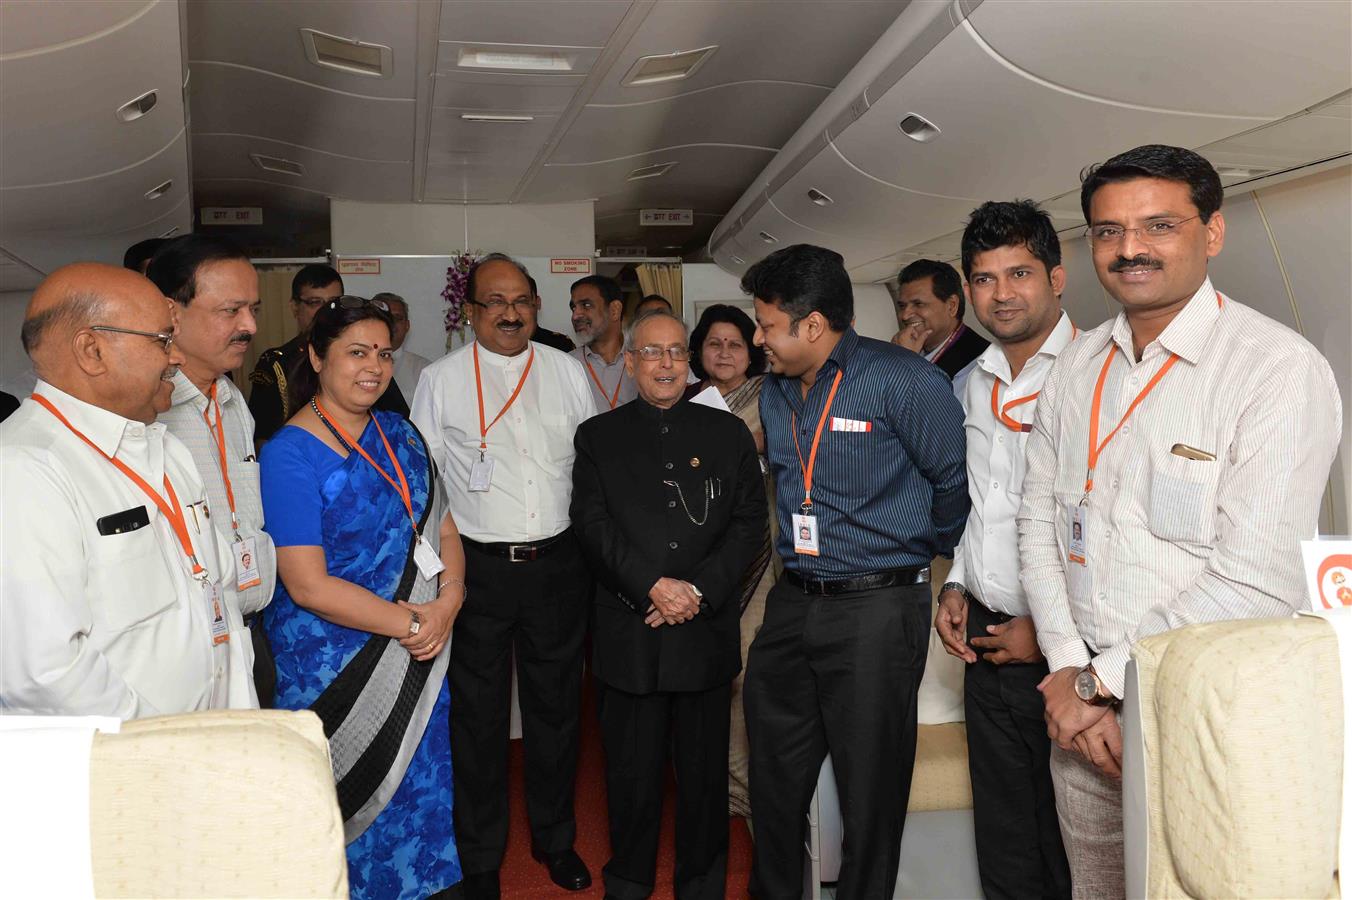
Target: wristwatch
1089	688
955	586
415	623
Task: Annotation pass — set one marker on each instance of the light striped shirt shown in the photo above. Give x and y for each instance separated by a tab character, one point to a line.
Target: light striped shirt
608	381
987	560
185	422
1171	541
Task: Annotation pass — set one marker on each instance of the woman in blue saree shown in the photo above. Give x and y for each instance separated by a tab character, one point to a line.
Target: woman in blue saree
371	579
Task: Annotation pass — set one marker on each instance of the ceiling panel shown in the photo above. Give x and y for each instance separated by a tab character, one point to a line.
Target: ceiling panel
1292	142
479	182
46	253
228	100
731	114
265	34
702	174
47	142
518	93
29	25
451	136
1267	60
227	156
577	23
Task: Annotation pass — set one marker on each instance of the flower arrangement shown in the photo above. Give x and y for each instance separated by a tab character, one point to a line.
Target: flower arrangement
457	285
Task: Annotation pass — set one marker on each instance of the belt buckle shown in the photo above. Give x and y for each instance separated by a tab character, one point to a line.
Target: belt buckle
528	553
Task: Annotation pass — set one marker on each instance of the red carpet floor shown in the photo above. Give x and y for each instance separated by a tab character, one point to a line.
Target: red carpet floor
525	879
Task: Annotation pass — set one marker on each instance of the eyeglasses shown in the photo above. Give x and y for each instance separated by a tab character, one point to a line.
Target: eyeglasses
166	339
652	352
1155	233
500	306
351	301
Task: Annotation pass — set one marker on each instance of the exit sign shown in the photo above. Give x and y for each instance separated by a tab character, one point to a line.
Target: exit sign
231	215
666	217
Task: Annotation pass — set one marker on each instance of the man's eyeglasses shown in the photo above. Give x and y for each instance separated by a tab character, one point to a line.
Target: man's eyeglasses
1158	232
499	306
351	301
166	339
652	352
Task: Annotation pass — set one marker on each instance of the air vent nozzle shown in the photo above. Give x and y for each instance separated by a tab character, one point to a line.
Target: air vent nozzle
347	54
918	128
277	164
666	67
818	197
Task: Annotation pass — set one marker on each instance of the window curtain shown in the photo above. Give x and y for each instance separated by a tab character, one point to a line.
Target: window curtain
661	278
276	324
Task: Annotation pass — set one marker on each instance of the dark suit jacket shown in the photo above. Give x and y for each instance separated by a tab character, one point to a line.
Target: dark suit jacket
966	348
634	529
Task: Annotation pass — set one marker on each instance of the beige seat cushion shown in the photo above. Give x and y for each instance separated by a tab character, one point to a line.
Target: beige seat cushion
941	780
220	804
1243	726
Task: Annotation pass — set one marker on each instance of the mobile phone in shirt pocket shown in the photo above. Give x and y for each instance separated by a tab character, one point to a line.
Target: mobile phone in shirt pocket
1183	495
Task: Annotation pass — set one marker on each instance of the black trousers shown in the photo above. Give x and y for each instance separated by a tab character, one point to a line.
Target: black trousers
1018	838
539	610
836	674
637	731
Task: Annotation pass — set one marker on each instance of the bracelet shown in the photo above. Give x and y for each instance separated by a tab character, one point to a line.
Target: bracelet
464	590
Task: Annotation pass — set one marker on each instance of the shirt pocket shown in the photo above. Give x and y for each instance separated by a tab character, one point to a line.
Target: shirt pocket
1182	498
128	581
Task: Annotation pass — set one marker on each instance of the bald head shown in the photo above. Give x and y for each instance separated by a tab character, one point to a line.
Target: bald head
118	371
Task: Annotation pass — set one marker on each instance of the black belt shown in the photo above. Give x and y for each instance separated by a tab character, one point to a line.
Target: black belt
872	581
529	551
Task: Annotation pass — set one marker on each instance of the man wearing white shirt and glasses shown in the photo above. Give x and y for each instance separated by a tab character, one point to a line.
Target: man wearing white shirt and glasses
499	415
1012	260
1178	457
111	589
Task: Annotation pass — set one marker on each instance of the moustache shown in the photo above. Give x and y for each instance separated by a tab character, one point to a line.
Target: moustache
1136	262
511	325
243	337
169	373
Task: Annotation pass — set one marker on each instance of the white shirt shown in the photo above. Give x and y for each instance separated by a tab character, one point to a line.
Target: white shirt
531	446
185	421
987	560
1172	541
960	377
408	367
612	377
112	624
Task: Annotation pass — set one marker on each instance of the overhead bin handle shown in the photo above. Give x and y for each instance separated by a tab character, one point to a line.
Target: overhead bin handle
135	109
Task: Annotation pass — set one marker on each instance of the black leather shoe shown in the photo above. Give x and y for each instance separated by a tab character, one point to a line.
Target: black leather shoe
481	886
566	869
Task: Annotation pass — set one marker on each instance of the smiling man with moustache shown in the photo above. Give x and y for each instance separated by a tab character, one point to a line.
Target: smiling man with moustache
597	306
499	415
1177	459
215	292
111	589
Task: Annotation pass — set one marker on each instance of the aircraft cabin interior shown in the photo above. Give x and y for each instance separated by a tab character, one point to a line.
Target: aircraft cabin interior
672	145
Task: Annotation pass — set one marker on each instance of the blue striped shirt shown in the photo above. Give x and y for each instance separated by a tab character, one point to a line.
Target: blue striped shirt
889	497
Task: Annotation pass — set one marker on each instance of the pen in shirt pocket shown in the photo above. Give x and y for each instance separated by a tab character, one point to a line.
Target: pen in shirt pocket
1187	452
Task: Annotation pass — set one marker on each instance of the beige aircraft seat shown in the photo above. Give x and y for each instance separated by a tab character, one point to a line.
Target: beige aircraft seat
1233	762
220	804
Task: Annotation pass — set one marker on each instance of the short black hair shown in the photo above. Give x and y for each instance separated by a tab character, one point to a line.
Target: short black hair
472	277
315	275
803	279
944	284
1158	161
725	312
608	287
139	253
1010	223
174	266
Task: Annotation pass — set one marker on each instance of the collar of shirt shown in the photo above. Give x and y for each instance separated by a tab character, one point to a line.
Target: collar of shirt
497	360
599	360
839	359
993	360
1187	335
187	392
104	427
657	413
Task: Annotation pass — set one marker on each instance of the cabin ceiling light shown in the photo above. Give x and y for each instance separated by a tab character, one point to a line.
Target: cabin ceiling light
277	164
159	190
654	171
918	128
347	54
137	107
495	117
666	66
519	58
818	197
1240	171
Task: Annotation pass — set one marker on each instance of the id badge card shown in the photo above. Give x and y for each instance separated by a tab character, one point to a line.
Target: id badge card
805	535
1077	538
426	559
220	625
247	574
481	475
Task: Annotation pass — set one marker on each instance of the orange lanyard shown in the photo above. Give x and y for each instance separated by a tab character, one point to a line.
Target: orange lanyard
599	386
1002	413
816	439
219	431
1096	448
479	387
173	513
400	487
